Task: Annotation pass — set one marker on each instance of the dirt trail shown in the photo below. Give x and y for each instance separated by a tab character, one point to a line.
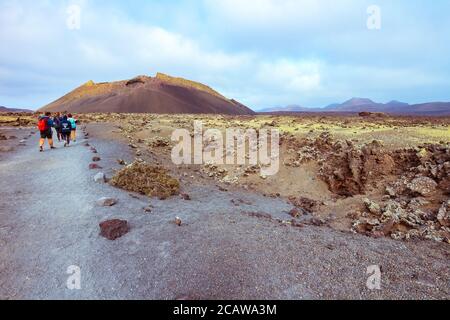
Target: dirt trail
49	221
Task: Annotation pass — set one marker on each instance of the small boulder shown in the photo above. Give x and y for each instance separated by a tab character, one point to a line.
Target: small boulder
295	213
423	186
372	206
106	202
100	177
94	166
185	196
307	204
113	229
96	159
178	221
390	191
317	222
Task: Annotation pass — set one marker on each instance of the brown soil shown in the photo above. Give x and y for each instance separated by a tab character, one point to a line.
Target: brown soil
328	165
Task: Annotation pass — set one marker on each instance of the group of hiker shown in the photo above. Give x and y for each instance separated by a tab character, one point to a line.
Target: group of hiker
64	124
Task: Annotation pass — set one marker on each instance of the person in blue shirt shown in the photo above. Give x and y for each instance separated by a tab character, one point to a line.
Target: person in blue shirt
73	123
45	124
66	130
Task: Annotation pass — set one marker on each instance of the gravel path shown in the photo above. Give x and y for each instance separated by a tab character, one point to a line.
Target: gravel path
49	221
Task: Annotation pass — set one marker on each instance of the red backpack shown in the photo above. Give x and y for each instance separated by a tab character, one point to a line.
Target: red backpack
42	124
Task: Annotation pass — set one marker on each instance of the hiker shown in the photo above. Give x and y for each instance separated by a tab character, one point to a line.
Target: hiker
57	125
66	130
45	125
73	123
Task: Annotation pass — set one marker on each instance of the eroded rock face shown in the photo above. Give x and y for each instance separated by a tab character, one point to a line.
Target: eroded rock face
113	229
404	220
349	171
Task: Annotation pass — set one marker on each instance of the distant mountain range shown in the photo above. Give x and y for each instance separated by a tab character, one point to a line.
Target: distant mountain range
363	104
290	108
5	109
162	94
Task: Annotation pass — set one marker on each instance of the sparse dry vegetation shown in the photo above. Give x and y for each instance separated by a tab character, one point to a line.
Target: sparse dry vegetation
146	179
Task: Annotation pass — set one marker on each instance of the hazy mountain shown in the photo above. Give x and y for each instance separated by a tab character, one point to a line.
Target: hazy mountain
396	104
356	102
290	108
5	109
143	94
394	107
331	106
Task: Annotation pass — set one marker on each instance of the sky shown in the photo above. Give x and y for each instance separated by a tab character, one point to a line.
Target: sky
263	53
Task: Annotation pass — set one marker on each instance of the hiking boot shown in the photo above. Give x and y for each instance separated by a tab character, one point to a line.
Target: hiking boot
41	149
52	147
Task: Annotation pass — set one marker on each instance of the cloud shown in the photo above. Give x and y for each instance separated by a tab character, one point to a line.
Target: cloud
296	76
106	47
262	52
278	14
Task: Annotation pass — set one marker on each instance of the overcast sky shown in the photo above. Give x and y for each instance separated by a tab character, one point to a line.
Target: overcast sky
263	53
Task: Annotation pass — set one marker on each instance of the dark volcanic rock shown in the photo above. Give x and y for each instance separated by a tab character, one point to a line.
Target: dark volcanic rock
185	196
113	229
295	213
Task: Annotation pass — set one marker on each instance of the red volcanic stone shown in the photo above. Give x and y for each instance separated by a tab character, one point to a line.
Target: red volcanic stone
295	213
113	229
185	196
94	166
